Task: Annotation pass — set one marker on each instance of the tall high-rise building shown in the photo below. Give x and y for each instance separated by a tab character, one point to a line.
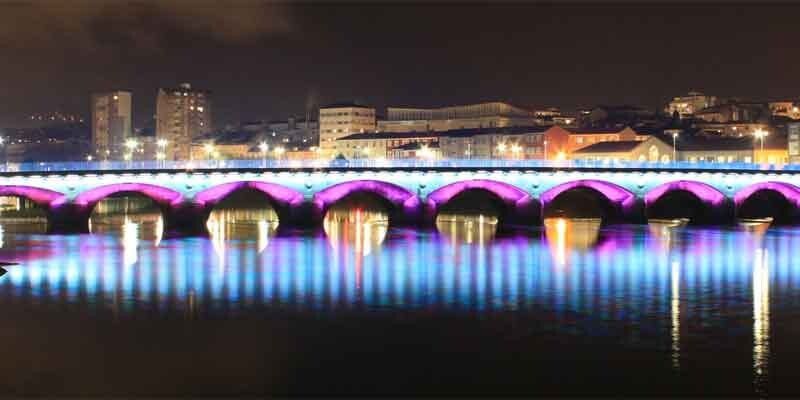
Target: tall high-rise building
182	114
339	120
111	124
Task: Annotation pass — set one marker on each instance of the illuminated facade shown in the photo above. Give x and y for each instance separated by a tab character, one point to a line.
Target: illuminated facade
111	124
380	145
788	109
182	115
649	150
561	143
340	120
483	115
687	106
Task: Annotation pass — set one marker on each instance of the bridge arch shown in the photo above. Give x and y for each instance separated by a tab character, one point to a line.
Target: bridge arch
285	200
406	205
44	198
518	205
705	204
779	200
620	202
163	196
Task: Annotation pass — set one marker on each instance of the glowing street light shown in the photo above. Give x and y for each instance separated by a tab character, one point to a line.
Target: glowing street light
209	149
131	144
264	148
501	147
516	149
545	150
674	149
761	134
279	151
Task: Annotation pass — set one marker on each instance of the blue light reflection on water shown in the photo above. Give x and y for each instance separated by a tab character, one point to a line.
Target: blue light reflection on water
625	275
658	279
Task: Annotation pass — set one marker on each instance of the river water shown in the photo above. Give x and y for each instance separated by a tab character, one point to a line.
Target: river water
569	308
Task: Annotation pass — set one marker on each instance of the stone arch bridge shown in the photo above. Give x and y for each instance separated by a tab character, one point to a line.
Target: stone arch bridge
414	195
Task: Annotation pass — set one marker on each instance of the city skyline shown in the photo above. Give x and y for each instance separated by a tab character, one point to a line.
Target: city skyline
282	57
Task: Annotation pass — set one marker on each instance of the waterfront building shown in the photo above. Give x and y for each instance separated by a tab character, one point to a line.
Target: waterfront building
651	150
183	114
561	143
472	116
340	120
735	111
416	150
111	124
379	144
687	106
512	142
733	149
789	109
730	129
793	142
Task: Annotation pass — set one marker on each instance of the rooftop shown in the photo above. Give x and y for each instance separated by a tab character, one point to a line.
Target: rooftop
468	132
345	104
610	147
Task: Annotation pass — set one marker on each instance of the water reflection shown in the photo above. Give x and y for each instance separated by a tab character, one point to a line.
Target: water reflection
567	234
239	223
761	334
129	218
675	313
467	228
357	229
668	295
21	216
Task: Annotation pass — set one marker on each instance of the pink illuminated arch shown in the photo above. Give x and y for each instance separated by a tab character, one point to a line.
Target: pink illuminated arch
401	198
45	198
705	192
615	194
517	199
787	190
281	195
159	194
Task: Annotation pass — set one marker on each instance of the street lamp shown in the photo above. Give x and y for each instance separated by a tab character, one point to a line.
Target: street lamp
501	148
674	149
545	150
515	150
761	134
161	154
131	145
264	148
279	151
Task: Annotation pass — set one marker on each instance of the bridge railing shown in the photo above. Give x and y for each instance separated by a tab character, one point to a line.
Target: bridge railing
379	163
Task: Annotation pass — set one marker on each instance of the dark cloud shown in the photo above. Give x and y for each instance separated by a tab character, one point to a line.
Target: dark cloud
94	25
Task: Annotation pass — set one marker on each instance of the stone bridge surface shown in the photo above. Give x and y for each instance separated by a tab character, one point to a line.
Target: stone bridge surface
302	196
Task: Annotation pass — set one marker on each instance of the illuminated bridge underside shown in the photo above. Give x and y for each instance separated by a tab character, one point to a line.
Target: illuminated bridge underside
303	197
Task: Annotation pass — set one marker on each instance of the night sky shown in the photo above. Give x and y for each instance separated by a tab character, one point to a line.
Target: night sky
268	61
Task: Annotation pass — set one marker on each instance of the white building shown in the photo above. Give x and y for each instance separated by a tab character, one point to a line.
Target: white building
342	119
482	115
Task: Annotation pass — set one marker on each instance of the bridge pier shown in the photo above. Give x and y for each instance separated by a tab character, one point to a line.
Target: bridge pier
185	219
68	218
